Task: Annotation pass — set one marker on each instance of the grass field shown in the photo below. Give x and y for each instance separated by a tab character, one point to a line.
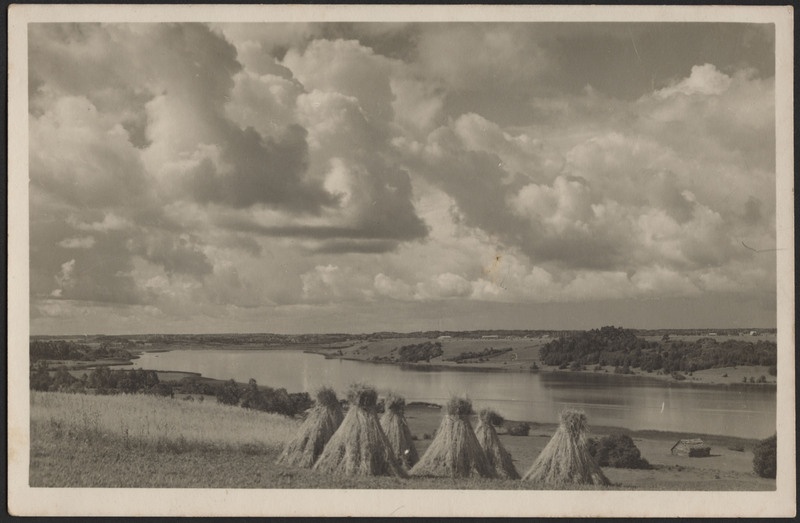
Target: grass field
143	441
145	420
524	351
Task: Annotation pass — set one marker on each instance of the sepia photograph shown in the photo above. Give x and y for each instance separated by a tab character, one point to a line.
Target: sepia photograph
409	260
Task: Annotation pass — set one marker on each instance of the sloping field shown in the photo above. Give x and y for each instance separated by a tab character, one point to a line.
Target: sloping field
141	441
524	351
150	419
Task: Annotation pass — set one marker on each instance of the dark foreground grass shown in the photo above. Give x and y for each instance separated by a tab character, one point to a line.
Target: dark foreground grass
81	458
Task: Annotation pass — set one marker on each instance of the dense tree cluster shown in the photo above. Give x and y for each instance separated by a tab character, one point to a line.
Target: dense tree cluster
765	457
419	351
100	380
69	350
482	355
103	380
265	399
707	353
622	349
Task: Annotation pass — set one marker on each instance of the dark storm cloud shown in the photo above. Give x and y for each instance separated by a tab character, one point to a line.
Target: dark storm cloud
176	254
263	171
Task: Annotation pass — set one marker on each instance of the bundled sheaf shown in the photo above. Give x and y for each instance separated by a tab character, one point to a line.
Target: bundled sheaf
394	425
318	428
566	459
455	451
359	447
497	455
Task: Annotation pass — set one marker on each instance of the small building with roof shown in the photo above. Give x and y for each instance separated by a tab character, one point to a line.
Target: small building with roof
694	448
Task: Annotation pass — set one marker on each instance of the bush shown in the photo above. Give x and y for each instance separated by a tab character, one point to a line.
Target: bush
40	376
161	389
229	393
765	458
483	355
519	429
301	401
772	370
617	450
492	417
421	351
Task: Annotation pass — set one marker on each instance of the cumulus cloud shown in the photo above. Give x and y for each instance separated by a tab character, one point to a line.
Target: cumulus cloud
235	170
83	156
703	80
65	277
348	68
326	283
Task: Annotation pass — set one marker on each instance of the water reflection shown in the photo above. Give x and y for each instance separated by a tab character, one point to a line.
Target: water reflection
629	402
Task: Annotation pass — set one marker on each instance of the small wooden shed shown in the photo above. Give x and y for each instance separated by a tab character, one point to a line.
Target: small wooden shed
694	448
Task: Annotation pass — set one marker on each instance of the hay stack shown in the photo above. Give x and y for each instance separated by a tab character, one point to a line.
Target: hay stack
566	459
455	451
321	423
359	447
394	425
499	458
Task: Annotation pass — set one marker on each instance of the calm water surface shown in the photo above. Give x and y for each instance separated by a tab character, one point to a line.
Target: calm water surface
607	399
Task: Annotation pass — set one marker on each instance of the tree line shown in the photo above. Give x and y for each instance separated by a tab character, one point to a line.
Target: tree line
621	348
69	350
482	355
102	380
265	399
419	351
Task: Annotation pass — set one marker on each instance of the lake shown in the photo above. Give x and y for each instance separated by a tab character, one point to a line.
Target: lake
629	402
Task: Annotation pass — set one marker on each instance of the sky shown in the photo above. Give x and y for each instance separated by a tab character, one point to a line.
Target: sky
363	177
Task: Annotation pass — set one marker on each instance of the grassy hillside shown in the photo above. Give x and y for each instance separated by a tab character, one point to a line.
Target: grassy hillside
454	352
145	441
150	420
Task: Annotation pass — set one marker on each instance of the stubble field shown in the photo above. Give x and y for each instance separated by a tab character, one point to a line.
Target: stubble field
139	441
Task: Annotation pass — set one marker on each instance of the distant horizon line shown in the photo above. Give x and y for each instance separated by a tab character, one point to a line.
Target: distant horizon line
707	330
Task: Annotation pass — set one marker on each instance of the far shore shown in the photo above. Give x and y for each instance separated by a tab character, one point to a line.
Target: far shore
521	355
524	356
715	377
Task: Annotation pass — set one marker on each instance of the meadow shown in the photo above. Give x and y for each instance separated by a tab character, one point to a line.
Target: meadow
82	440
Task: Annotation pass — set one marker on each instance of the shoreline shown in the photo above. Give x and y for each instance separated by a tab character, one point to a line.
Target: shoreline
708	377
704	381
477	367
176	376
